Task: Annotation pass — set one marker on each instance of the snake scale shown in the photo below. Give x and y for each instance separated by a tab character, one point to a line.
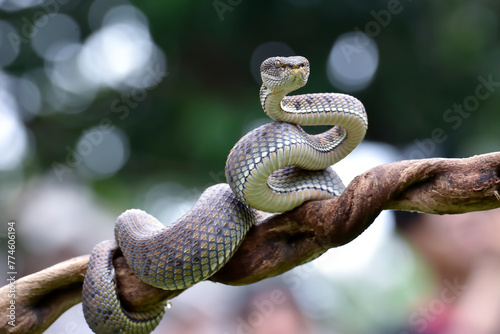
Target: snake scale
274	168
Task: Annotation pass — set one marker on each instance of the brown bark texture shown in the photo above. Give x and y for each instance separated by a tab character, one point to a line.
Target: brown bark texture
281	242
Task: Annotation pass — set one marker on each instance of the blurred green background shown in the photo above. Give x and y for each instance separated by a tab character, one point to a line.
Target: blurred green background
107	105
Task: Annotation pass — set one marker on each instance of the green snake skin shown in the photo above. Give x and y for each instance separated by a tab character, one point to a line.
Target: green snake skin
273	168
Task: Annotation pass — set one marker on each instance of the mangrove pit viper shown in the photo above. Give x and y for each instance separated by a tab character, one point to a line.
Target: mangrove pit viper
273	168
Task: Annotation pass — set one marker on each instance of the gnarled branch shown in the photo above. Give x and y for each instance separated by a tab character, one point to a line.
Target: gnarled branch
281	242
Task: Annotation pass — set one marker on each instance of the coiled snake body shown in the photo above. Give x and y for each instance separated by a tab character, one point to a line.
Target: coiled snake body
273	168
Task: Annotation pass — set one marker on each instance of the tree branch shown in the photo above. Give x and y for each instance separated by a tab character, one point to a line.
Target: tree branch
39	299
281	242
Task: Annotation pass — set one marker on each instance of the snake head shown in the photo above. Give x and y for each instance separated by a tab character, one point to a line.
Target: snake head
284	73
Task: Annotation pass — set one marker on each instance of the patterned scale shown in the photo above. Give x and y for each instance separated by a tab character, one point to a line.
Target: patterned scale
101	307
322	103
193	248
278	166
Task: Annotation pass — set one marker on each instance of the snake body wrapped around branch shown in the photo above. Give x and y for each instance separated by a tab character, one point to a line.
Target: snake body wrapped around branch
273	168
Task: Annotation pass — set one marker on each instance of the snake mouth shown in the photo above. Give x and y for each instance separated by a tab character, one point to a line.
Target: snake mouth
300	75
298	71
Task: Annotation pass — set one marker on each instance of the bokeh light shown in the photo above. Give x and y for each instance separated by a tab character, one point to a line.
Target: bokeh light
62	100
116	52
353	61
28	96
125	13
13	135
13	140
52	32
103	150
168	201
61	217
15	5
99	9
64	73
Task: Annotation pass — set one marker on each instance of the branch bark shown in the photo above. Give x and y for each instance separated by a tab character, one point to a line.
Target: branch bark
281	242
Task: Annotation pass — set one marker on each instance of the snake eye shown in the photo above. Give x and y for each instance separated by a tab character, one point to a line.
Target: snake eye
277	63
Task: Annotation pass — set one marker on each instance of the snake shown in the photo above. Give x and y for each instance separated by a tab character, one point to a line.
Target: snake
273	168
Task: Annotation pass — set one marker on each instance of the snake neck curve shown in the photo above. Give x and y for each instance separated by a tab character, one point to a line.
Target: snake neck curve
271	103
278	166
337	109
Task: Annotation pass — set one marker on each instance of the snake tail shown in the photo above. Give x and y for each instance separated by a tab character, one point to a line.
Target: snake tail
101	308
